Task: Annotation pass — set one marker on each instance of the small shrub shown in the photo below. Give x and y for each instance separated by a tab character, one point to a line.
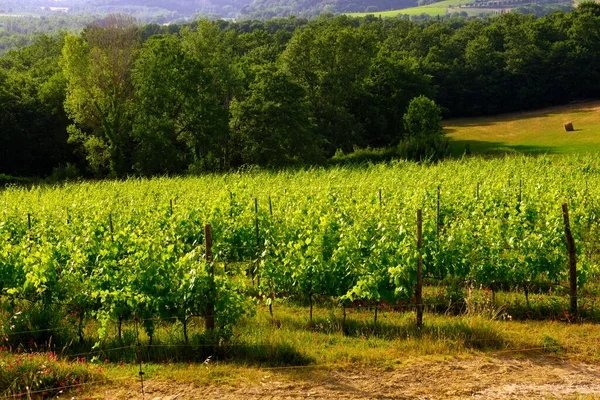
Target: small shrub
41	375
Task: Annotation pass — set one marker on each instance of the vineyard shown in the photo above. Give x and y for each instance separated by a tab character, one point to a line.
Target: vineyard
135	250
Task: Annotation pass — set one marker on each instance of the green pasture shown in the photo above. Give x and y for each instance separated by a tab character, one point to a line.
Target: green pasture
532	132
434	9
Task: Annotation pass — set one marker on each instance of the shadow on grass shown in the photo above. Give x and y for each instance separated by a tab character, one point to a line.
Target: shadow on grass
552	111
459	148
472	333
249	354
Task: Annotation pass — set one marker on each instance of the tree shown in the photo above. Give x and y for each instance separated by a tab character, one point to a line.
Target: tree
97	66
179	121
214	49
32	121
331	62
423	124
390	86
423	118
272	126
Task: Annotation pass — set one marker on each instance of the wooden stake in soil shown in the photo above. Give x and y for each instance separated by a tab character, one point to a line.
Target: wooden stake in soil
110	226
209	321
572	259
437	214
139	353
375	319
270	206
419	288
256	271
520	190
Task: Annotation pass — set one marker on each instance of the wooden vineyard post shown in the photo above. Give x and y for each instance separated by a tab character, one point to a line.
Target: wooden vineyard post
520	191
572	260
270	206
256	271
380	203
29	231
110	226
419	288
209	320
437	214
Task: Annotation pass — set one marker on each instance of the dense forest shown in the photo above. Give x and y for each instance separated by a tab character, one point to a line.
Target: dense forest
120	100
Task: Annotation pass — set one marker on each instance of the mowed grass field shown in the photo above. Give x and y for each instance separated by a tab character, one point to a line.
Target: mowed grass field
433	10
532	132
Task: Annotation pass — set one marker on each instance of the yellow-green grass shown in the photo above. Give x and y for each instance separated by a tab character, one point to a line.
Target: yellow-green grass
393	342
434	9
260	343
532	132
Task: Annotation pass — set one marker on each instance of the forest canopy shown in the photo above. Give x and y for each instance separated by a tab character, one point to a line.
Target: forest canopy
121	99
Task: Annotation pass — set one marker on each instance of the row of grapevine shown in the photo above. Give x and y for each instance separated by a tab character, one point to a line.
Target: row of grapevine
112	250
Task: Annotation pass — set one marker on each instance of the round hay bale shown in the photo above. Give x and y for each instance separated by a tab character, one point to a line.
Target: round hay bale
569	127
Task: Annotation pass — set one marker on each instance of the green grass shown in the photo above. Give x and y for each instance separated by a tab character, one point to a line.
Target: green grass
433	10
534	132
289	339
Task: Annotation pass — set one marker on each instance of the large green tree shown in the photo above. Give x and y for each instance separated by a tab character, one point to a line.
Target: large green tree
98	67
330	61
179	121
272	126
32	121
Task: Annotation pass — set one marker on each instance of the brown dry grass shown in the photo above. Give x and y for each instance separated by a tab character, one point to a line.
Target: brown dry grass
536	376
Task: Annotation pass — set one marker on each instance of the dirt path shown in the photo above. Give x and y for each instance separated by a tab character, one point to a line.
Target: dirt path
540	377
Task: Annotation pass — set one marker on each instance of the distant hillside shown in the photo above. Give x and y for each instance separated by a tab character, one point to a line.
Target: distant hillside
474	8
174	11
265	9
145	10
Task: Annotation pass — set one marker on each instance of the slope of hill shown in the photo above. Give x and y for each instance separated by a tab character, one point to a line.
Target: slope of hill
474	8
264	9
145	10
532	132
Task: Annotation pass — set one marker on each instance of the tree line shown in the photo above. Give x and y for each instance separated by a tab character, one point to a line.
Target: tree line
120	99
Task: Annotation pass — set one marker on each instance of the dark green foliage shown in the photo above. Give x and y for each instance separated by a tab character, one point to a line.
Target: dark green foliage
272	126
423	118
32	119
215	95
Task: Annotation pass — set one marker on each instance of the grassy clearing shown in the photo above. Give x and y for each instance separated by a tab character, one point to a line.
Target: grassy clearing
534	132
433	10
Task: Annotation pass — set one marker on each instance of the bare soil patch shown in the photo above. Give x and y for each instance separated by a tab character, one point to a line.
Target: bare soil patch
480	377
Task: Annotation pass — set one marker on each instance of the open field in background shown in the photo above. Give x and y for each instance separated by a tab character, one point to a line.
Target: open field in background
433	10
531	132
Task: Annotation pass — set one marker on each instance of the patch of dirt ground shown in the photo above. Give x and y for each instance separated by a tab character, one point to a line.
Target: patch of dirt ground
482	377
